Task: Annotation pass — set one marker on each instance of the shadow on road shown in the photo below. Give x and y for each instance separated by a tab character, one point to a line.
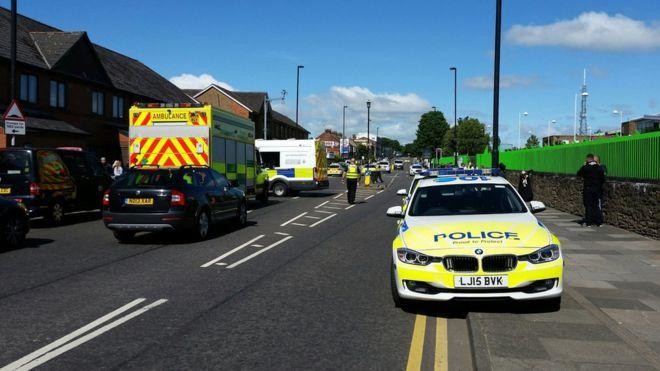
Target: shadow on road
184	237
69	219
29	243
256	205
460	309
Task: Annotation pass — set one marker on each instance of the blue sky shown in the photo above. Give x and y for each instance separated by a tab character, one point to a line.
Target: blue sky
395	53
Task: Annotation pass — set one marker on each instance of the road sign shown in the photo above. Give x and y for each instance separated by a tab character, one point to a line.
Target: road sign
14	127
14	120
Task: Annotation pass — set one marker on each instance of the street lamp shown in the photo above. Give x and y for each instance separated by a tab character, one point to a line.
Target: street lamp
550	122
434	109
266	101
343	131
454	139
520	115
376	146
368	122
297	89
620	113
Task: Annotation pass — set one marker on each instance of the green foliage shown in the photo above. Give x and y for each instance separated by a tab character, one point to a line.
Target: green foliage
430	132
362	150
411	150
390	143
532	141
471	137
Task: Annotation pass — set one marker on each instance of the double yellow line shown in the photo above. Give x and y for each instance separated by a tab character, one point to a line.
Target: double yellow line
440	359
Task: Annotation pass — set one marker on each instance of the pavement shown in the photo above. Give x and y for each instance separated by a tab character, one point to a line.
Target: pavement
306	285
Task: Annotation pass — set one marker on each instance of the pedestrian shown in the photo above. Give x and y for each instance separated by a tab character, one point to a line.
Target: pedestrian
601	196
117	169
593	178
379	178
106	166
525	186
351	176
470	165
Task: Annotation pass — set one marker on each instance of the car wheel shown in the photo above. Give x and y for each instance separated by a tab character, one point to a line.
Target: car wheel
399	302
280	189
55	214
241	214
14	231
124	236
202	225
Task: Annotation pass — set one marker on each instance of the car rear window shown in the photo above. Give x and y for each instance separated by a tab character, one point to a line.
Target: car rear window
466	199
147	178
384	163
15	162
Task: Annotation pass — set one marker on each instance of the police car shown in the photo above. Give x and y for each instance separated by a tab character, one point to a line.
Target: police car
467	236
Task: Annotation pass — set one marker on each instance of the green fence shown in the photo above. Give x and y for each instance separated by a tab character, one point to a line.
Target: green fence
631	157
449	160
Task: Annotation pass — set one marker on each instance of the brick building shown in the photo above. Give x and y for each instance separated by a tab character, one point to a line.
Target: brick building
251	105
74	92
644	124
331	141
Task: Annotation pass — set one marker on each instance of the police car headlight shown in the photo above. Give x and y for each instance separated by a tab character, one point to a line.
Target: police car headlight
544	255
416	258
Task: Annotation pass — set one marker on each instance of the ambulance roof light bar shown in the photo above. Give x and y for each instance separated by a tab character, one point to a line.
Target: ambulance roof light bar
168	105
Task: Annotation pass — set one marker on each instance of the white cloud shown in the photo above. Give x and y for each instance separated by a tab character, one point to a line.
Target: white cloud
396	114
592	31
190	81
506	82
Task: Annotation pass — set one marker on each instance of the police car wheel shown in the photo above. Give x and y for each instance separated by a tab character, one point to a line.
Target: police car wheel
241	214
14	231
280	189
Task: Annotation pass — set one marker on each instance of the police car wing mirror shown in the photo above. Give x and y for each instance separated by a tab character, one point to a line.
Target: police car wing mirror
536	206
395	212
402	192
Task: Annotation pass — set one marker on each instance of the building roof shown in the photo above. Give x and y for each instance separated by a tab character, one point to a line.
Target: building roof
222	90
52	125
42	46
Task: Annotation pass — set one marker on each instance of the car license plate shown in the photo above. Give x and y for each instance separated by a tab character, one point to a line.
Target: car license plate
5	191
140	201
480	281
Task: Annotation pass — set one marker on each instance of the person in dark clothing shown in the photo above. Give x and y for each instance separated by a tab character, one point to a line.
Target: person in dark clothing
593	178
106	166
601	198
525	186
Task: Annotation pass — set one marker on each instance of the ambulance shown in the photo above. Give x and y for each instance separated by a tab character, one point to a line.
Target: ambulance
173	135
294	164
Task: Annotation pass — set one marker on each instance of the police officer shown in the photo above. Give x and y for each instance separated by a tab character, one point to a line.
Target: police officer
594	177
352	177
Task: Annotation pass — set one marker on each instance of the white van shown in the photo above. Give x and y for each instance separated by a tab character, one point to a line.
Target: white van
293	164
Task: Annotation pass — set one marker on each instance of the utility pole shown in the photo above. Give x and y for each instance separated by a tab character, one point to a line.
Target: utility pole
297	89
266	101
496	87
343	131
12	52
368	122
455	121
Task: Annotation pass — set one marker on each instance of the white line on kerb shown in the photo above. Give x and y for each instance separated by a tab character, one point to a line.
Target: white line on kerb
321	204
292	219
63	345
259	252
205	265
321	221
349	206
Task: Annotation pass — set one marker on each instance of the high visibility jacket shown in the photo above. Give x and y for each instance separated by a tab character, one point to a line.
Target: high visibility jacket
352	172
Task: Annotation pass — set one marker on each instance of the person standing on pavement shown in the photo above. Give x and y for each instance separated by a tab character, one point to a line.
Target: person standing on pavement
351	176
593	178
601	196
117	169
106	166
525	186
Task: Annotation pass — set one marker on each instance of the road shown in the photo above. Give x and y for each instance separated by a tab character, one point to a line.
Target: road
304	286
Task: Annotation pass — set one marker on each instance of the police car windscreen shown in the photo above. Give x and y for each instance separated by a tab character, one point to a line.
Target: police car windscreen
466	199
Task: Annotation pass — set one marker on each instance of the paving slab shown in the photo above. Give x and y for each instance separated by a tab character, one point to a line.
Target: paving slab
611	352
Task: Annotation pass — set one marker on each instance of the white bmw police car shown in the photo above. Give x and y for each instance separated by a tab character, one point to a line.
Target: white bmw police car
470	237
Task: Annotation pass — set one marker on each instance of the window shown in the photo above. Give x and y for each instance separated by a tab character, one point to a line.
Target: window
97	102
29	88
117	107
231	156
220	179
219	149
57	94
271	159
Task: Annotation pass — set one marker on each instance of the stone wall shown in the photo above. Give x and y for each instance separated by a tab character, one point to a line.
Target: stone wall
633	206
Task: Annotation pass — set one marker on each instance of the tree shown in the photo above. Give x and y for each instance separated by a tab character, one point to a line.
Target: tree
411	150
471	137
362	150
532	141
431	132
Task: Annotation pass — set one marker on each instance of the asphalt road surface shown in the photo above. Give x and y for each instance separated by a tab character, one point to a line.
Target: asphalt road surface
304	286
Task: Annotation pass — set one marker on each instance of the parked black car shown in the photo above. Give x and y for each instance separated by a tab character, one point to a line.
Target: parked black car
14	224
51	182
188	199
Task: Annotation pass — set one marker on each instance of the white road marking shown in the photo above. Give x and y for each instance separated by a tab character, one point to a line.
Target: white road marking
321	221
231	252
256	245
221	263
332	207
338	203
297	197
349	206
63	345
337	196
369	197
381	191
321	204
299	224
282	234
259	252
312	217
292	219
321	211
249	211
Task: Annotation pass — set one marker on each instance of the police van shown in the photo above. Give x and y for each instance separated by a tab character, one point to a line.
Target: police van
293	164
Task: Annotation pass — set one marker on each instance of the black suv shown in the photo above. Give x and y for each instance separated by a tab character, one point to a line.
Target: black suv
154	199
51	182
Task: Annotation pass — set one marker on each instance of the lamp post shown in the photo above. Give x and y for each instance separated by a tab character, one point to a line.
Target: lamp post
343	130
620	113
266	101
297	89
434	108
550	122
368	122
520	115
376	146
454	139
